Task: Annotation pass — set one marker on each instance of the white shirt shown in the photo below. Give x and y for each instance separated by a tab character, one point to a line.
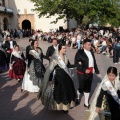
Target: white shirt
101	32
78	38
104	43
95	42
55	47
71	33
73	39
11	44
90	57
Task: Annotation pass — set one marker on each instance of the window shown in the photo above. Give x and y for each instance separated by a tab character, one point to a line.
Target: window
2	3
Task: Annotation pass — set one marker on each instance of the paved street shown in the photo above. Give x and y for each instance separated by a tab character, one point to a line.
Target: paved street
15	105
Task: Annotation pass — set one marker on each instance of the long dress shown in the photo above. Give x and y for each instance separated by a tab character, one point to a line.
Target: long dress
104	92
34	76
113	106
60	95
17	65
3	59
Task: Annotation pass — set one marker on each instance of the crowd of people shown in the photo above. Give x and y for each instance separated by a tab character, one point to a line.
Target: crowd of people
17	33
51	83
104	41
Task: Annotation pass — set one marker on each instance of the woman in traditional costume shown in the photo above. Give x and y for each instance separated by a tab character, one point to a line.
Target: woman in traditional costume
57	91
109	91
3	59
17	64
110	88
35	69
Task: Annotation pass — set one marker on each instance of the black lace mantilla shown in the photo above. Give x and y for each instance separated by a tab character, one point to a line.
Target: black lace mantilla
39	68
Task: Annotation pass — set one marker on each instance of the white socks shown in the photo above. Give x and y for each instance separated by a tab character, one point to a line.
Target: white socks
78	94
86	98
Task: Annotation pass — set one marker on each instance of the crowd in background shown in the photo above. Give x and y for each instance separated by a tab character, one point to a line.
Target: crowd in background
16	33
104	41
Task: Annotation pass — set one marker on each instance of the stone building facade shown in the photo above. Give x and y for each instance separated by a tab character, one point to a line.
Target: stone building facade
6	13
19	15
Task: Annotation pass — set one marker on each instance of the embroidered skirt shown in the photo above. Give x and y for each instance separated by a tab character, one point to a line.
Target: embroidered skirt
18	69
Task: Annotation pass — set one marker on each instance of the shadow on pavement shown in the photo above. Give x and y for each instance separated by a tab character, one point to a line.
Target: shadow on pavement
24	106
95	83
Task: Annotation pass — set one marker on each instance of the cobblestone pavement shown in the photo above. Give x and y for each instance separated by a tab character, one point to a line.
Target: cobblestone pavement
15	105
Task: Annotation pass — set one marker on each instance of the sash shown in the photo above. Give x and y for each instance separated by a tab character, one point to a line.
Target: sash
64	66
17	54
90	68
11	50
36	54
112	91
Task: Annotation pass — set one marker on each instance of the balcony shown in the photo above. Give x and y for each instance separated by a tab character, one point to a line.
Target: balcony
5	10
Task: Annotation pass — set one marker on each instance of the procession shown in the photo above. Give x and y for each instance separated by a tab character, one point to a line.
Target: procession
68	69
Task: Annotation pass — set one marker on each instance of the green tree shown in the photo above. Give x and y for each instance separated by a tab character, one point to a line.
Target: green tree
102	11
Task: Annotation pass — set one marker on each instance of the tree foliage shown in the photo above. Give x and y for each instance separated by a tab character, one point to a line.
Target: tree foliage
101	11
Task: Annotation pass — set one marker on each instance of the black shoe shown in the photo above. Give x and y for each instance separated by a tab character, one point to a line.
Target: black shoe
87	106
65	111
21	90
77	102
18	80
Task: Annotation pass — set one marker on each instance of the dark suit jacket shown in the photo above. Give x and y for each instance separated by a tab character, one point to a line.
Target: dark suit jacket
6	46
28	48
50	51
82	57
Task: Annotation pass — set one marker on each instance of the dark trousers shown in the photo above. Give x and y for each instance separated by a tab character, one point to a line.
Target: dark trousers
85	82
116	55
8	57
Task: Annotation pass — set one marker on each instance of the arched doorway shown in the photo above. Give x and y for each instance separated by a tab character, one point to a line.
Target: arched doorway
26	24
5	23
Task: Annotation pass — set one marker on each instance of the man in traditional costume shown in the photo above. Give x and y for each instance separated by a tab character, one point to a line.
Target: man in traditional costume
28	48
9	46
86	64
51	48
